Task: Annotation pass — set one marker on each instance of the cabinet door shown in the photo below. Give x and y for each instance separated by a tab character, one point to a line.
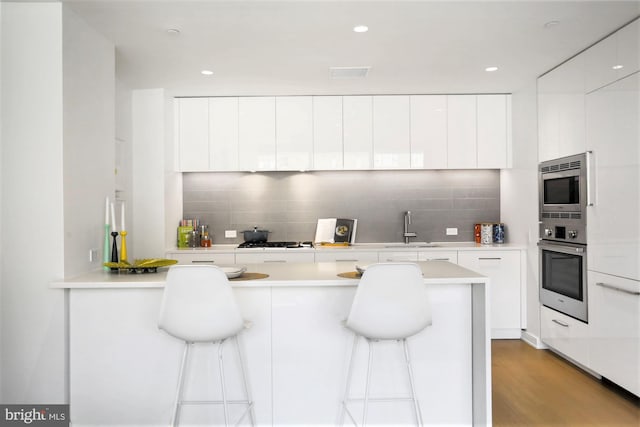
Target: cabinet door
201	257
429	132
346	256
565	334
260	257
193	133
391	132
614	316
561	117
503	268
223	134
613	58
628	43
614	137
257	133
451	256
461	131
294	129
397	256
327	133
358	132
493	139
599	61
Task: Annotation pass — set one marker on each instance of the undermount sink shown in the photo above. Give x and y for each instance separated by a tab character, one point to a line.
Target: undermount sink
411	245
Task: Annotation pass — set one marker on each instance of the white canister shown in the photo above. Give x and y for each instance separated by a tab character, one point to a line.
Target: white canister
486	233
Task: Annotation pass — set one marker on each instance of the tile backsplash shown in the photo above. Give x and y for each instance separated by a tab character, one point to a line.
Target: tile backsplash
289	203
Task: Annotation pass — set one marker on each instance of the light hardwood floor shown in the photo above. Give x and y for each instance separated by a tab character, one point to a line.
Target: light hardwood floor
537	388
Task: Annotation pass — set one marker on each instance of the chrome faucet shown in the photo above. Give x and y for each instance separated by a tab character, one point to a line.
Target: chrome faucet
408	234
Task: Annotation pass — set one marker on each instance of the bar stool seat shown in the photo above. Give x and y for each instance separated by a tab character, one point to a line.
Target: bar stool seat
198	306
391	303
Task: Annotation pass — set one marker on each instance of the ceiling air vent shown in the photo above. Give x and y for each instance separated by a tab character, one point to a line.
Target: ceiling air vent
348	72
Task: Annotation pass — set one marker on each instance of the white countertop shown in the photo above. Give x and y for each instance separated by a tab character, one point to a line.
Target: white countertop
287	274
394	246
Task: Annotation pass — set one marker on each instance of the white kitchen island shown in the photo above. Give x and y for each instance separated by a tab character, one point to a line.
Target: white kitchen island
123	370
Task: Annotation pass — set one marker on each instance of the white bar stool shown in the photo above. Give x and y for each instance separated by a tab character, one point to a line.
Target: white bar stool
198	306
391	303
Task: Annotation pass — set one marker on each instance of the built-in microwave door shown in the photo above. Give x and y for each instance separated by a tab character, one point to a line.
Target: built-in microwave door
561	192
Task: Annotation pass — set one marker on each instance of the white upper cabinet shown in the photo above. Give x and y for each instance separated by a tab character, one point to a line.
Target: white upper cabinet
391	132
357	132
561	119
461	131
257	133
327	133
613	58
223	134
613	135
629	49
193	133
429	131
294	132
493	131
599	62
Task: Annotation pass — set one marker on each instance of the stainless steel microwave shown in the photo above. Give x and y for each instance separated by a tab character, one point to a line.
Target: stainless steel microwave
564	184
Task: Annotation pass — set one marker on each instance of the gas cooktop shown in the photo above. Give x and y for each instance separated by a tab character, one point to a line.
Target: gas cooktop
276	245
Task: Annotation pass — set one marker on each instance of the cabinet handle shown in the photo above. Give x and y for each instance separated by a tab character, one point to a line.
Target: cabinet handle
615	288
275	260
438	259
204	261
347	260
489	258
566	325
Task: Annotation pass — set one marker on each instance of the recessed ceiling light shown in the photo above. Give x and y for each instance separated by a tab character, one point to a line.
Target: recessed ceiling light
360	28
490	69
207	72
551	24
173	31
618	67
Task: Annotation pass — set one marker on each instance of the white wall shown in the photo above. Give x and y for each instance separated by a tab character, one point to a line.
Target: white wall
172	178
519	197
124	154
1	119
89	140
149	133
32	316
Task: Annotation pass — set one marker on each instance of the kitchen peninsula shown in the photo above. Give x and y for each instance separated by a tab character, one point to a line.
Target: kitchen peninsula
123	370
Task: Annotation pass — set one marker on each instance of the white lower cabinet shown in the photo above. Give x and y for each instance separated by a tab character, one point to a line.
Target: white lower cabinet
451	256
203	258
567	335
398	256
614	319
347	256
503	268
260	257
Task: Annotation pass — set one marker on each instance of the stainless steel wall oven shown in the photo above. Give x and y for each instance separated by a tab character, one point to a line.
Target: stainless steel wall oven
564	194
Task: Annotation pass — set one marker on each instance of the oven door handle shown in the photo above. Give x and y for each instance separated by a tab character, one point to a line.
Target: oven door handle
558	247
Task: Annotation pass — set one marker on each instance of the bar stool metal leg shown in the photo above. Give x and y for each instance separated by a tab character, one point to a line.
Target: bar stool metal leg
222	384
246	385
366	388
413	391
345	410
178	402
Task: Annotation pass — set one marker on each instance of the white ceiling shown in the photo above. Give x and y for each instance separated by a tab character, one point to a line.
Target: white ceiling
278	48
